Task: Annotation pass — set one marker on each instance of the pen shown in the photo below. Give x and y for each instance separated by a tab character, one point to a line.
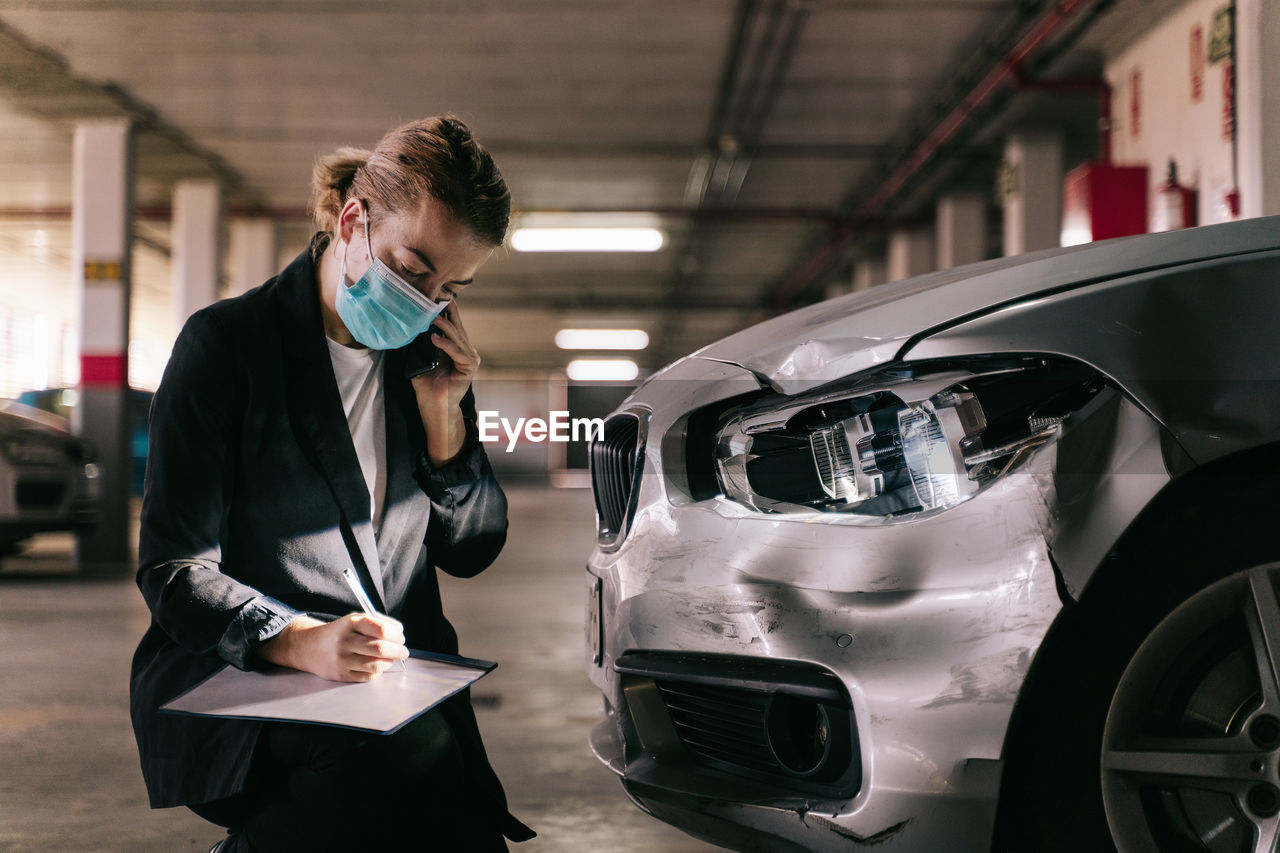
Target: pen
349	575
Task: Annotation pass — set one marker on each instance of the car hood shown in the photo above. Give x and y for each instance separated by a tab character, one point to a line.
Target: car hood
824	342
20	418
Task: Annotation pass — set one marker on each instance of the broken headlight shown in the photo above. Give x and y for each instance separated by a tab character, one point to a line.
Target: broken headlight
899	442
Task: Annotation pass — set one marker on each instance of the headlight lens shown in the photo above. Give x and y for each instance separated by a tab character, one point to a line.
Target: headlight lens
896	443
90	482
933	457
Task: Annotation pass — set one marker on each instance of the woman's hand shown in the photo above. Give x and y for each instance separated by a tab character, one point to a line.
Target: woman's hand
440	391
445	386
356	647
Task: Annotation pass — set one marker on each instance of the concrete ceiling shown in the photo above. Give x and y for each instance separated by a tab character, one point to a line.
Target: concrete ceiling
754	128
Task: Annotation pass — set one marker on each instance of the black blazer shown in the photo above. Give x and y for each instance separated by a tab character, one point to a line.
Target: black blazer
253	505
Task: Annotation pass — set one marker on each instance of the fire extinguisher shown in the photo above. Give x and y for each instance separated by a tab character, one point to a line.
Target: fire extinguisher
1175	205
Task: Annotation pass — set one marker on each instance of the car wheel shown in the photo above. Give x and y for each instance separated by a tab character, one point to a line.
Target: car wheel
1158	647
1190	755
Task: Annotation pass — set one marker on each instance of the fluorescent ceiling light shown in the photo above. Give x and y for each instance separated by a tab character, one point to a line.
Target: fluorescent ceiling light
587	239
601	339
603	370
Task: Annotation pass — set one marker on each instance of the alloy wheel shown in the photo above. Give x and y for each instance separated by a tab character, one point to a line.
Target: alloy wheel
1191	748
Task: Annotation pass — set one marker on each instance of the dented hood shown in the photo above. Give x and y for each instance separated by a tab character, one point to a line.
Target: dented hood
839	337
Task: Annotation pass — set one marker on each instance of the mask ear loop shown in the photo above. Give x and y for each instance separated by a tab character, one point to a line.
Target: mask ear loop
342	267
368	246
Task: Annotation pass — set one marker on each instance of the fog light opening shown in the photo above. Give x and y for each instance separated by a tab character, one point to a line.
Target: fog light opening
800	734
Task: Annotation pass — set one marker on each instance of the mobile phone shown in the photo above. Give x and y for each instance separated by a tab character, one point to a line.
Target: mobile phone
422	355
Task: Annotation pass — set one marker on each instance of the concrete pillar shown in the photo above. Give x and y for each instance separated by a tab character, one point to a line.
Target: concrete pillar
196	219
869	272
962	230
910	252
1033	197
102	235
1258	106
253	253
837	287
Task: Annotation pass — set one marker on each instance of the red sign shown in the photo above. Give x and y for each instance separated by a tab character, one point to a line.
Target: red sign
1135	103
103	371
1197	64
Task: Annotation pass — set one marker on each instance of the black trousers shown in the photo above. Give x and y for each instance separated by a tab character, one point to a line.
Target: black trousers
322	788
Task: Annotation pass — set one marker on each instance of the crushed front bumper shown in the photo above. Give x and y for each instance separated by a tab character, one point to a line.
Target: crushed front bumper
924	629
922	643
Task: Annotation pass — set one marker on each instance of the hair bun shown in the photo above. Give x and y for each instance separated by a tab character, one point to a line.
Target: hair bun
331	181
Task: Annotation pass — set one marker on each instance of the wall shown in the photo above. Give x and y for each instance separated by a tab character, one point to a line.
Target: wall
1159	113
1258	113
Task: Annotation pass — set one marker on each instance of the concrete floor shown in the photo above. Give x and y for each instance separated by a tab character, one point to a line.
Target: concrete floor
69	778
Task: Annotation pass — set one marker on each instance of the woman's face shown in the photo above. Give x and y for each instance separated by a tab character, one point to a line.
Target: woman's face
428	248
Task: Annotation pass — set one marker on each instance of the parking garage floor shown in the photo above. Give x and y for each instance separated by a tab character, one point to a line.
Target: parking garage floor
69	778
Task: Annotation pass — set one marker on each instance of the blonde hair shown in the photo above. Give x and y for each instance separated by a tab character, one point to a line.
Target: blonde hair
435	157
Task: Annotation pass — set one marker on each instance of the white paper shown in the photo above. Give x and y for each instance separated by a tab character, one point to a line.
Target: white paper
277	693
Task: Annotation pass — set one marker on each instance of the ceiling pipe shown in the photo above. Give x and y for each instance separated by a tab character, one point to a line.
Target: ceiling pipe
561	149
105	99
735	215
1003	74
762	45
765	33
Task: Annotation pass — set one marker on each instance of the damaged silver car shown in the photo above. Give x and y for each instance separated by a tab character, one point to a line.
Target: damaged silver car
982	560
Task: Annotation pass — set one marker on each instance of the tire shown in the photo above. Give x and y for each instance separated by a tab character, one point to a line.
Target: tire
1168	615
1189	750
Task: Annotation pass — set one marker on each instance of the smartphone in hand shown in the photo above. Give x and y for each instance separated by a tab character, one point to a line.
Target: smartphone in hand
422	355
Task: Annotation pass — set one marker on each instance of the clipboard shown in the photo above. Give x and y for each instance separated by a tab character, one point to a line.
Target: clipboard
381	706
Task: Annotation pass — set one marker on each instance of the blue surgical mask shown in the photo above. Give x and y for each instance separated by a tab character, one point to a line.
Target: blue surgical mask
382	310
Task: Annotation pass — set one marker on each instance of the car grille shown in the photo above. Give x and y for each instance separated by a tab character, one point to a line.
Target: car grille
39	495
614	461
784	723
721	723
34	450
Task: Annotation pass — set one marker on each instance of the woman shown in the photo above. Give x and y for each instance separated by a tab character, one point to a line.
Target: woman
287	444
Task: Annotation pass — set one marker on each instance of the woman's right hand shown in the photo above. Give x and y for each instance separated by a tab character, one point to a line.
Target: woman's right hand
356	647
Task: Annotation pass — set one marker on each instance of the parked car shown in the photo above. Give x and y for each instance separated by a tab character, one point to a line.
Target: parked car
61	402
981	560
48	478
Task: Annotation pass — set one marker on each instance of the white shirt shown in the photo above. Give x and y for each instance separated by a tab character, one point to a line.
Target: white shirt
359	375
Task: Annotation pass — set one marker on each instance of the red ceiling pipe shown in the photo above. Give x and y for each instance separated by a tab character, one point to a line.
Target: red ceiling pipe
1004	73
